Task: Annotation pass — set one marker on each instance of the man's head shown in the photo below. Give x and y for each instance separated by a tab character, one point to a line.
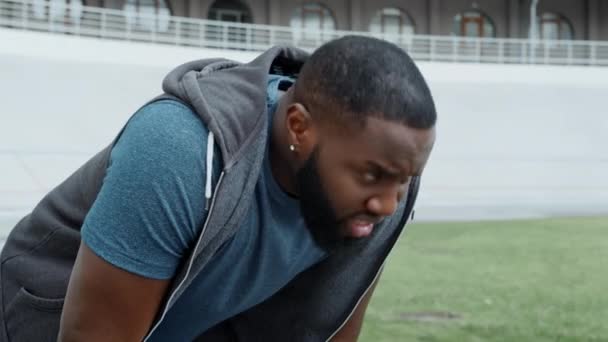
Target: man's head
356	126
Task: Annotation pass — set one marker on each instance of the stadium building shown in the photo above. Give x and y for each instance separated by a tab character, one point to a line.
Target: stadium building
557	19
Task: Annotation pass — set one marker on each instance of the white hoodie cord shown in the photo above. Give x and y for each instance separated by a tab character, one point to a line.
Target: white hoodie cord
210	141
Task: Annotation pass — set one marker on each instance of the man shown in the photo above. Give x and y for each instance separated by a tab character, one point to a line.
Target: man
251	202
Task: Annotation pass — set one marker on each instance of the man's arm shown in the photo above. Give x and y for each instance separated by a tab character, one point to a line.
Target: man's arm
350	331
106	303
140	227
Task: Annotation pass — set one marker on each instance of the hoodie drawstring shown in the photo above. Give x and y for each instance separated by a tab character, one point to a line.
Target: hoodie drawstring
210	142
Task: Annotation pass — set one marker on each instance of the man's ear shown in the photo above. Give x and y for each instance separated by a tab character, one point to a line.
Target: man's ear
301	130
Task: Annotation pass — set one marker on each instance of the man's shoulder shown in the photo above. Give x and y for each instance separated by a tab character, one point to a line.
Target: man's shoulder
167	111
163	135
167	124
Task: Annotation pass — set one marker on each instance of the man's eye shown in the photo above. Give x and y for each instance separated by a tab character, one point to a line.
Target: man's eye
371	177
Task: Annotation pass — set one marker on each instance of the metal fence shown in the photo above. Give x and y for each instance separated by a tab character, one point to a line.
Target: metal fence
161	28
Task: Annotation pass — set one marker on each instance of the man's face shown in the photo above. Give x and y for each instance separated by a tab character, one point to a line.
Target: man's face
355	176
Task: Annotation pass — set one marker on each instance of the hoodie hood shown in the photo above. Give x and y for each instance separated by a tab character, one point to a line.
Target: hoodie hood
230	96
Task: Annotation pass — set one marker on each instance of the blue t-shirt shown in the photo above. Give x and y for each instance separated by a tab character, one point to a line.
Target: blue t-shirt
147	217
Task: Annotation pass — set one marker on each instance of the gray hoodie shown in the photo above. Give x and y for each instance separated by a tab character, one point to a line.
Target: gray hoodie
231	99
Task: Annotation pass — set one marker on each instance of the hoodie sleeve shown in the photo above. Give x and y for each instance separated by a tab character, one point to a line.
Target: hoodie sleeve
151	206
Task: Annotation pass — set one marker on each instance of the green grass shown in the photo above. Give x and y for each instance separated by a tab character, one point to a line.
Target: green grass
542	280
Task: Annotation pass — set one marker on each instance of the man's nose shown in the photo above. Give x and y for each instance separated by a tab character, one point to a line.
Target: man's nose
385	203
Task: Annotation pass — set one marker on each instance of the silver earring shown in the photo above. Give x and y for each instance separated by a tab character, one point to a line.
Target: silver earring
292	147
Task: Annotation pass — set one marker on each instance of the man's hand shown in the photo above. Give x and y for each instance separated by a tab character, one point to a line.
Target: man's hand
106	303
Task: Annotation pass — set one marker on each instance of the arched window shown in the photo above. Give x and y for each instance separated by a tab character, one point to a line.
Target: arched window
147	15
555	27
473	23
392	21
230	10
66	11
308	19
233	11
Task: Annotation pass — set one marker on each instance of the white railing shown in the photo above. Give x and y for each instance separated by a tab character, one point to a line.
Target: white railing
146	26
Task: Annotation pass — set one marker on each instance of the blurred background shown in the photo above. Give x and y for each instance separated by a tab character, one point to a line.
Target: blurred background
516	188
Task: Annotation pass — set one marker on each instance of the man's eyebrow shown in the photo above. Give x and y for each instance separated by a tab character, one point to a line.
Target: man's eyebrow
389	171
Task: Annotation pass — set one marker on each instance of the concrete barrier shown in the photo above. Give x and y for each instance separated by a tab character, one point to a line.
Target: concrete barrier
513	140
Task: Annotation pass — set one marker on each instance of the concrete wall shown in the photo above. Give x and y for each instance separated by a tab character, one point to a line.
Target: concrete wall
513	141
518	140
60	105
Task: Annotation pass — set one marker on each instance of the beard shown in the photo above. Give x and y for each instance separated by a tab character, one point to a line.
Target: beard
317	211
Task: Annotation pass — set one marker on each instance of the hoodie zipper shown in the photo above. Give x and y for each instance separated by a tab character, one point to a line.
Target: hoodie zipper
200	238
357	303
402	223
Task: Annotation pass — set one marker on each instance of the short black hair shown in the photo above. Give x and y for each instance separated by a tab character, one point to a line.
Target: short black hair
355	77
